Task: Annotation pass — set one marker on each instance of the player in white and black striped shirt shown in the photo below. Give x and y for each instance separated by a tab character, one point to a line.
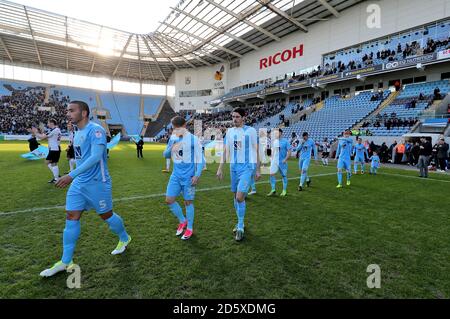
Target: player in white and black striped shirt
54	140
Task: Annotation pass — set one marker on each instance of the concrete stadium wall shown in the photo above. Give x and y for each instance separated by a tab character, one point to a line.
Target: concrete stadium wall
202	78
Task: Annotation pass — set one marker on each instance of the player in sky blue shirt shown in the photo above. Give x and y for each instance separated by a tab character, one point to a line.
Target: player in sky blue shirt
375	163
343	155
241	150
306	147
188	162
90	186
360	153
281	152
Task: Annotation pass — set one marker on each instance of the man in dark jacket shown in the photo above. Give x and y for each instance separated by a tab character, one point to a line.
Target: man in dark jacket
140	147
424	156
414	158
384	153
442	155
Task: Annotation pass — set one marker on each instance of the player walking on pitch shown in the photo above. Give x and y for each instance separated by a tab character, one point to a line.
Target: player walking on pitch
90	186
306	146
54	141
360	153
186	152
281	152
343	155
241	150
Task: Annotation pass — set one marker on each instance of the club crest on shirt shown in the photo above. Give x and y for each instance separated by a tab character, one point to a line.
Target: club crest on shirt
98	134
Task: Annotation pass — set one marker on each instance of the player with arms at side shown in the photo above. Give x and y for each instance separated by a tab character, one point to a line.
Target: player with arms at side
54	141
281	152
90	186
186	152
306	146
241	149
343	155
375	163
360	153
326	148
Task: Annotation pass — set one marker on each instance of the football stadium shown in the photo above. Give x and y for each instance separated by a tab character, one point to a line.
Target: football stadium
229	149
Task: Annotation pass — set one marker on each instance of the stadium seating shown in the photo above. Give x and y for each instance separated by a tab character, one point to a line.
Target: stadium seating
128	107
274	120
337	115
435	32
401	106
151	105
3	90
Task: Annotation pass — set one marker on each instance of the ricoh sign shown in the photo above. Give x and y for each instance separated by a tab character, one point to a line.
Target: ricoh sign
281	57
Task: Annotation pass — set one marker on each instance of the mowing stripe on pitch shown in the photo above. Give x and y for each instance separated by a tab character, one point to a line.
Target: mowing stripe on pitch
125	199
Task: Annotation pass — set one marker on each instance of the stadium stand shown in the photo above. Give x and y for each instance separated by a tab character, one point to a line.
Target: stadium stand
21	101
337	115
402	114
424	40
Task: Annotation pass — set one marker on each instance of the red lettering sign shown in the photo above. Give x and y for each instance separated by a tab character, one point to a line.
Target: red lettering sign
279	57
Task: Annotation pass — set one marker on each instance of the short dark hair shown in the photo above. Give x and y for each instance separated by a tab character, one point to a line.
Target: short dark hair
305	134
52	121
280	130
240	111
83	106
178	121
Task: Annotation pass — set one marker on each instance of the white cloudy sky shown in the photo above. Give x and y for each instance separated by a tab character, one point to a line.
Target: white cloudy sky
138	16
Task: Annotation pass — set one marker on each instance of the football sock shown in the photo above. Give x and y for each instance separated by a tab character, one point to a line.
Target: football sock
339	175
70	237
285	182
175	208
273	182
55	171
190	216
115	223
241	214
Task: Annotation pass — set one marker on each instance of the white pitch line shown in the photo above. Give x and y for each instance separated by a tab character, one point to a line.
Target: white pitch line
125	199
416	177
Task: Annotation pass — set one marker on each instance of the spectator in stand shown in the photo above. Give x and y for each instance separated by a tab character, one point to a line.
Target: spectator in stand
397	85
437	94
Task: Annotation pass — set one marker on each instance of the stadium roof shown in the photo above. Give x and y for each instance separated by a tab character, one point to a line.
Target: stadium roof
195	33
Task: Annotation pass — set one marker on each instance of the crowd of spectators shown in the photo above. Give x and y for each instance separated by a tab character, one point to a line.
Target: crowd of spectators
27	107
390	121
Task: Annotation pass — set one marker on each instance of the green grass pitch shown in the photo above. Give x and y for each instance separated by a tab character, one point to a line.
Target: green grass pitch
313	244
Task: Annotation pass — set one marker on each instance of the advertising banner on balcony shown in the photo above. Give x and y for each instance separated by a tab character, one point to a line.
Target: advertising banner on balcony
326	79
410	61
443	54
299	84
363	71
